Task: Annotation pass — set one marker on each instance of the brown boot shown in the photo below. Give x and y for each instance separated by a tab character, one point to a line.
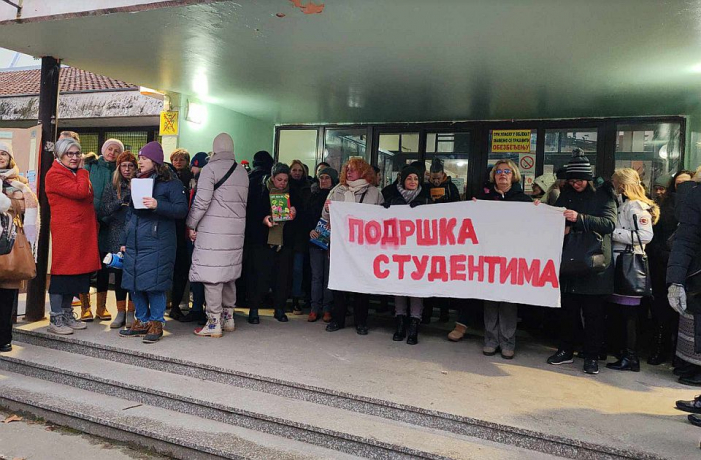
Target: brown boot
155	332
136	330
458	333
101	308
85	313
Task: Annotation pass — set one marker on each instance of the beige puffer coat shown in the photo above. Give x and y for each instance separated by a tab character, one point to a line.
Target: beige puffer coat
219	217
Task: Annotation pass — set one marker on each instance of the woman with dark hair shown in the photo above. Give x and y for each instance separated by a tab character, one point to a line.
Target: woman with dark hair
70	195
665	319
149	244
113	212
356	186
301	187
584	294
271	245
408	191
20	203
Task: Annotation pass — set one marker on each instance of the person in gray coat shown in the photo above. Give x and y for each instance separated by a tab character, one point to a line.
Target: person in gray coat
216	224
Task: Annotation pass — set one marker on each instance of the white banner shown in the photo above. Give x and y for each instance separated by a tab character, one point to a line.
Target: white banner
481	250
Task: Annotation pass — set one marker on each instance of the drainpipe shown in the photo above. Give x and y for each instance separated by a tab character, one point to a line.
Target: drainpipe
48	119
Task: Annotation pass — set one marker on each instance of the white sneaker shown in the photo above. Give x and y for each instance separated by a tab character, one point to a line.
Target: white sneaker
57	326
227	319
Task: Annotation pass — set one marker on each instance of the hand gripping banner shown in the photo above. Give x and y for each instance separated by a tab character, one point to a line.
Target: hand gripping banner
481	250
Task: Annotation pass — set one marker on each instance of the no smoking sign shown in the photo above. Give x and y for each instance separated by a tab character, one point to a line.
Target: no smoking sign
526	162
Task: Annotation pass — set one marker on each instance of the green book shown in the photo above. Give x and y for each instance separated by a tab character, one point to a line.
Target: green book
280	207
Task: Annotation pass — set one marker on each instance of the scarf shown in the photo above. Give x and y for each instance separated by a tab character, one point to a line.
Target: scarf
14	185
354	186
7	176
275	233
408	195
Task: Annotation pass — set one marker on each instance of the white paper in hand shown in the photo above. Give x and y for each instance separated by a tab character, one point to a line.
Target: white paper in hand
140	189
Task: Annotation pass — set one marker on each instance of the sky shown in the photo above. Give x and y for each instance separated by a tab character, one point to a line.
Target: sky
12	59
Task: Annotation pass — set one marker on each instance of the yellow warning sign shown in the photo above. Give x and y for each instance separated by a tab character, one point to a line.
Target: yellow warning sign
517	141
169	124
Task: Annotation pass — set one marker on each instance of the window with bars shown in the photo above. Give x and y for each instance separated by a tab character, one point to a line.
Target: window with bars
132	140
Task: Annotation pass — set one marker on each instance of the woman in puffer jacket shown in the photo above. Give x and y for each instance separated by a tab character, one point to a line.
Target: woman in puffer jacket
635	211
149	244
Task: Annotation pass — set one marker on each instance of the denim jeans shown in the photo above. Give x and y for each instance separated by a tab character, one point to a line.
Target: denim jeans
321	295
149	305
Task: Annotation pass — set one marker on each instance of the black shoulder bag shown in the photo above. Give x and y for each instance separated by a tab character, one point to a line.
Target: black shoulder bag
583	253
632	275
226	176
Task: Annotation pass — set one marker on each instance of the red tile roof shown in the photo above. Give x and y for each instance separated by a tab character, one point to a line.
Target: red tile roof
24	82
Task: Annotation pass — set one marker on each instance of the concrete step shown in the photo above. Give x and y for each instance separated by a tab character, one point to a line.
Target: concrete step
328	427
418	417
164	431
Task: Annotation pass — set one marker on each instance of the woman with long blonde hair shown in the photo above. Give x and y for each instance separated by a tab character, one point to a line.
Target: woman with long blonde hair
635	211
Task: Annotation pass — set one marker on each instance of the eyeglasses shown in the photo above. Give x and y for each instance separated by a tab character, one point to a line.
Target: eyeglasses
127	165
73	154
575	181
503	171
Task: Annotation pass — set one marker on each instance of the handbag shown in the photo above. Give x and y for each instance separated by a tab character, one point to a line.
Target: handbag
18	264
8	234
583	253
632	275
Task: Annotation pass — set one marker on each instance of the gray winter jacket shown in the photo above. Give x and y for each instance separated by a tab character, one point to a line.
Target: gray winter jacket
219	217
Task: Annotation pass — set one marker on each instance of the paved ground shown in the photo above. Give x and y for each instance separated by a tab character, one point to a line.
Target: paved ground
619	409
33	439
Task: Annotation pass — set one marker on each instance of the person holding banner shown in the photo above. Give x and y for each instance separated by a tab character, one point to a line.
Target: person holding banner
589	211
408	191
500	318
356	185
636	215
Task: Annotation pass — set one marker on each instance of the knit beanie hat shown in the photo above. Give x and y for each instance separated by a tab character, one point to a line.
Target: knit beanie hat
330	172
263	160
279	168
153	151
436	166
126	157
579	166
561	173
660	181
408	170
200	160
109	142
7	147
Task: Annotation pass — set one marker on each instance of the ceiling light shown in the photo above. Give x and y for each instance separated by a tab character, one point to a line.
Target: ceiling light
196	112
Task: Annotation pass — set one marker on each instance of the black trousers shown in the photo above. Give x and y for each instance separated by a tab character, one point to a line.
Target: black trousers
181	271
269	269
7	303
592	307
361	303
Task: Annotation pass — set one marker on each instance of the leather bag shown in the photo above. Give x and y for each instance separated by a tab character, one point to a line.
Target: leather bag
583	253
632	274
19	264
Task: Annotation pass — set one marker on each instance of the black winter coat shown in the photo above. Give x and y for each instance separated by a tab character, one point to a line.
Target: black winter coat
258	207
662	230
150	239
303	190
113	212
451	194
685	257
515	193
392	196
598	212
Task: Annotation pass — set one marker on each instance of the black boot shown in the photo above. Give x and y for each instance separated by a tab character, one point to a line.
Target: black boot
629	362
253	317
413	333
445	315
400	333
659	353
280	315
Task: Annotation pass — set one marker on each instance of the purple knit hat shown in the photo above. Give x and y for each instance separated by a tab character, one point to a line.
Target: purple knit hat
153	151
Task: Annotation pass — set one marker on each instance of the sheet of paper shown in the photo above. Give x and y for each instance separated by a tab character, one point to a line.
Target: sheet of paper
140	189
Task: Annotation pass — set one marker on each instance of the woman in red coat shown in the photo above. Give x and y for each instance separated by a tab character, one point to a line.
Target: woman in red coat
70	195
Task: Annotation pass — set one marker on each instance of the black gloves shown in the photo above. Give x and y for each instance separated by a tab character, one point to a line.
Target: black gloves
386	204
414	203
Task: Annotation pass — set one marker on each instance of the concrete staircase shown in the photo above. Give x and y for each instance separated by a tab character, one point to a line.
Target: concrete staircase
191	410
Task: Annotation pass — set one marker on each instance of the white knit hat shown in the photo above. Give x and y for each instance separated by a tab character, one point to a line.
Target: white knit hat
109	142
5	146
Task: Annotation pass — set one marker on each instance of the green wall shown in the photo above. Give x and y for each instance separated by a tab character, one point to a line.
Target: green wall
250	134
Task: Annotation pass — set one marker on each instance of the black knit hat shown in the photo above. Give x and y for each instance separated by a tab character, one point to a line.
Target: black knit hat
579	166
436	166
263	160
279	168
407	170
561	173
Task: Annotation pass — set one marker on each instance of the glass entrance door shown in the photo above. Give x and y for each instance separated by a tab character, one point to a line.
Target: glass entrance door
395	150
517	145
453	148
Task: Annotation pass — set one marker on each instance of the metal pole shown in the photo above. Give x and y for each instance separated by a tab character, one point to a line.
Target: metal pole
48	119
